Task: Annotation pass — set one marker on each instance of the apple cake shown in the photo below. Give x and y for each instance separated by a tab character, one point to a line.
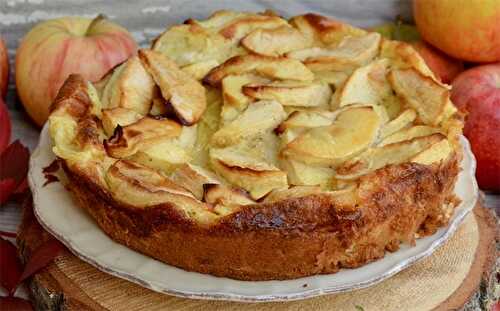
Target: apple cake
256	147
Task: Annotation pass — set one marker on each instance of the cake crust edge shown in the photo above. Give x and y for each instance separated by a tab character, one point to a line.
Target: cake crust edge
285	239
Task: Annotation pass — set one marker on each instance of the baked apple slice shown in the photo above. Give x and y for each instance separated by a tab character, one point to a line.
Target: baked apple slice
257	182
250	164
242	26
232	94
166	154
400	122
291	193
113	117
291	93
304	174
350	53
95	101
200	69
334	78
258	118
193	178
243	156
306	119
218	194
378	157
145	178
280	68
185	94
409	133
236	25
403	56
367	85
127	140
354	129
101	84
440	151
217	20
191	43
421	93
130	87
130	182
275	41
72	142
74	131
326	31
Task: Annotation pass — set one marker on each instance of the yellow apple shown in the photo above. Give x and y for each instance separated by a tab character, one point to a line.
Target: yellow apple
465	29
56	48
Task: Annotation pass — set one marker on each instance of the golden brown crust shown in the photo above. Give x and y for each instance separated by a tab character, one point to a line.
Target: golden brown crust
286	239
73	96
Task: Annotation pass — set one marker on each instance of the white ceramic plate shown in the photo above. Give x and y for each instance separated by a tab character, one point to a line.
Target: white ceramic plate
59	214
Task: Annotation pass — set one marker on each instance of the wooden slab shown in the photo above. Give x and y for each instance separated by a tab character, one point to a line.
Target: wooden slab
70	284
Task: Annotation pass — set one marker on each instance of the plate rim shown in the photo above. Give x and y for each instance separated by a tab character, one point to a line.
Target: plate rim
406	263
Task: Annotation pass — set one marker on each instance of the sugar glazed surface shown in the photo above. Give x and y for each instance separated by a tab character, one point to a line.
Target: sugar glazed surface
254	147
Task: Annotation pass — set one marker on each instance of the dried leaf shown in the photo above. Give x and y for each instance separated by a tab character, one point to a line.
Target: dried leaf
22	187
10	267
52	167
49	171
8	234
14	162
42	257
50	179
15	304
7	187
5	126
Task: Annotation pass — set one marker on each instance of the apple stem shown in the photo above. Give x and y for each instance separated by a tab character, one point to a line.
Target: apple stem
96	20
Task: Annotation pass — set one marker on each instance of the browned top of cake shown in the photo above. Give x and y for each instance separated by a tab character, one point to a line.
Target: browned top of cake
244	114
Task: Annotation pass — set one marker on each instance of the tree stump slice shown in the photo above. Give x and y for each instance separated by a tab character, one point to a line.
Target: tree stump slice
71	284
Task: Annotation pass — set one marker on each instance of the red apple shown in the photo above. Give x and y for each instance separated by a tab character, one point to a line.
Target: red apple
477	92
4	68
464	29
54	49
